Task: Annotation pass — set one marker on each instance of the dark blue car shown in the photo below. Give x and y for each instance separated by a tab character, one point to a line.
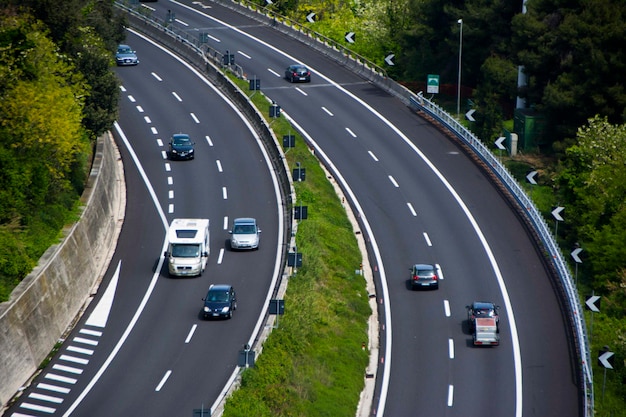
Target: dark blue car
220	301
181	147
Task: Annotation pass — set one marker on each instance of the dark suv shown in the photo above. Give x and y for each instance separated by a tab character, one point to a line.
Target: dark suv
220	301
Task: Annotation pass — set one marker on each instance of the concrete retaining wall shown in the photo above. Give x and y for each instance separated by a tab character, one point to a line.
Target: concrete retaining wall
46	302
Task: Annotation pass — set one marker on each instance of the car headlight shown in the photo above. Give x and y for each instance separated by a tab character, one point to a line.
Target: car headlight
225	309
207	309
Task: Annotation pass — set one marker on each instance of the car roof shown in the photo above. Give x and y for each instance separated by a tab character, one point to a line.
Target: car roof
423	266
220	287
180	136
244	220
123	46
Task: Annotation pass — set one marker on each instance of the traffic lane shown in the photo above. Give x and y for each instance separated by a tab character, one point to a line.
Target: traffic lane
422	332
203	201
159	324
521	264
415	184
161	360
266	61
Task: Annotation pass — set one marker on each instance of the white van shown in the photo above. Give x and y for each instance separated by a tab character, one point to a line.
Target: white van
188	247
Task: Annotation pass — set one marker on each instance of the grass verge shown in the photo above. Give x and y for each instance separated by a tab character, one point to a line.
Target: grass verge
313	364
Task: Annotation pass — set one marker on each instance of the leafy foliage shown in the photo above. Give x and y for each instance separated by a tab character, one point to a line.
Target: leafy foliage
54	100
573	55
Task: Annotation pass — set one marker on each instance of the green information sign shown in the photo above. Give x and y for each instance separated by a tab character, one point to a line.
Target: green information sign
432	85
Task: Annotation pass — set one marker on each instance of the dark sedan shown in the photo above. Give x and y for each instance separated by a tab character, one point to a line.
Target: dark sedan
181	147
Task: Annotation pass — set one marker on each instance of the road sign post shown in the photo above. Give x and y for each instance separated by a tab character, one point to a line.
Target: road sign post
593	304
605	359
577	260
556	213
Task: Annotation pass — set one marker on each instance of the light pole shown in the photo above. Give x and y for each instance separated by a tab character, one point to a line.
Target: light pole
458	87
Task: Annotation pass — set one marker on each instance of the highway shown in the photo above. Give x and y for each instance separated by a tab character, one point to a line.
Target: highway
150	353
423	199
454	217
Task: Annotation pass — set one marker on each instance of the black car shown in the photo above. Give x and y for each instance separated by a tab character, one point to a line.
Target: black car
220	301
480	309
181	147
424	276
298	73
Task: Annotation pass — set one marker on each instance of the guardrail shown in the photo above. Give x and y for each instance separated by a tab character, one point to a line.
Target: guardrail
165	31
531	213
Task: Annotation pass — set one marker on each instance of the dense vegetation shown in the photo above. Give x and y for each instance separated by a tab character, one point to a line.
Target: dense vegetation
57	93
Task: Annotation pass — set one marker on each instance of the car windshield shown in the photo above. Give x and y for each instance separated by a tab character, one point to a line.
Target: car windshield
424	273
125	50
244	229
186	250
484	311
182	141
218	296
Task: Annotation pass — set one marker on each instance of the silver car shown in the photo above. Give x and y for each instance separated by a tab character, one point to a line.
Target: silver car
245	234
424	276
126	56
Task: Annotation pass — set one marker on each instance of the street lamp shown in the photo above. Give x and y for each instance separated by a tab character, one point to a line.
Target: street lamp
458	87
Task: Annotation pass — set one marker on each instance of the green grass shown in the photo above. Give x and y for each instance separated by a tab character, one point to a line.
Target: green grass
313	364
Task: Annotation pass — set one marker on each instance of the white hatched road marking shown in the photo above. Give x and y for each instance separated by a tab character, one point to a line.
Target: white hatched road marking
36	407
74	359
90	332
48	398
60	378
69	369
85	341
54	388
80	350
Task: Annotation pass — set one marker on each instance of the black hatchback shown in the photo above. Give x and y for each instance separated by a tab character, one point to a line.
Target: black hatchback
181	147
220	301
298	73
